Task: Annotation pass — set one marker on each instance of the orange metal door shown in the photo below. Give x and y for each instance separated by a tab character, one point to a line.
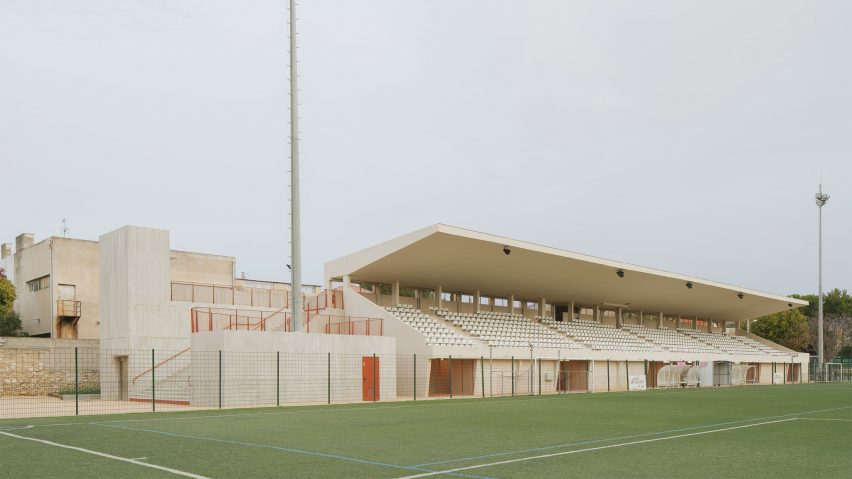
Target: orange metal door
370	378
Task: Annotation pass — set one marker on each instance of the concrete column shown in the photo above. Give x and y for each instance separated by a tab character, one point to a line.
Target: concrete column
641	317
395	293
476	297
659	320
709	325
541	306
347	281
597	313
512	304
440	292
571	311
619	319
695	322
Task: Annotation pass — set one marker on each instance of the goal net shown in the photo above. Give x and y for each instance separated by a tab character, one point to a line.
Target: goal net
740	374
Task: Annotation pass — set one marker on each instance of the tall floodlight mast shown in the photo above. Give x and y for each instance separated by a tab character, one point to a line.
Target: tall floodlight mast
821	200
295	231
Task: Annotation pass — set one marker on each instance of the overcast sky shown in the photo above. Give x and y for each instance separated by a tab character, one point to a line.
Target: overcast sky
683	135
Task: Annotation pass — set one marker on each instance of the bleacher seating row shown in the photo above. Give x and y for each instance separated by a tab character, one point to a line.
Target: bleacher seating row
502	329
510	330
436	333
601	337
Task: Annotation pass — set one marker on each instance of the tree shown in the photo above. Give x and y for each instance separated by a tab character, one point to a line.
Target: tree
787	328
7	294
837	334
10	324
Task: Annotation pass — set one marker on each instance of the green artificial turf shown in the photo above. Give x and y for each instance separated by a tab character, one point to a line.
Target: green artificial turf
662	433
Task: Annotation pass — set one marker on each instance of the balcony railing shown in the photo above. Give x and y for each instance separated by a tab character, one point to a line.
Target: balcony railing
68	308
234	296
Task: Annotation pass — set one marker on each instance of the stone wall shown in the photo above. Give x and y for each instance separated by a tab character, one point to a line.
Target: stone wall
38	367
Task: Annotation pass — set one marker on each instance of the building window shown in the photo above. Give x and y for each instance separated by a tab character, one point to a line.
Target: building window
532	306
39	284
446	296
484	300
466	298
501	302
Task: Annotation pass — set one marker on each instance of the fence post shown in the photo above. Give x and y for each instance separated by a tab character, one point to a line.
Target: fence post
328	374
482	373
647	382
451	376
539	376
773	372
220	379
375	385
277	378
153	382
76	384
627	372
607	375
513	376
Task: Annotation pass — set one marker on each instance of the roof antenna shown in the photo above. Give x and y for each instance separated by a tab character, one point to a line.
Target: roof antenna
64	230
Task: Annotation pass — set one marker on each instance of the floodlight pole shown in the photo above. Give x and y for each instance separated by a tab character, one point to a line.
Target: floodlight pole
295	227
821	200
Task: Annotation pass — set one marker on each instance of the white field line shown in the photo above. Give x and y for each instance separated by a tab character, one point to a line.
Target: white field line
108	456
824	419
426	404
577	451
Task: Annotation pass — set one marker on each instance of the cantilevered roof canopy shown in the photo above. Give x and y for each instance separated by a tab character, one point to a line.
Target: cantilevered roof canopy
465	261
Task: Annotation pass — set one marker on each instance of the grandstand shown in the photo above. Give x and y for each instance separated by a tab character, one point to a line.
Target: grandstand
531	309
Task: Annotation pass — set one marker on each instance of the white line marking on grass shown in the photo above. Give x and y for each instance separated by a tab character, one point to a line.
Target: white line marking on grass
598	448
823	419
108	456
616	438
15	428
323	409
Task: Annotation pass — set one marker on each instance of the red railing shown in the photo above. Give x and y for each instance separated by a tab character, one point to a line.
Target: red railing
234	296
327	298
355	326
217	319
157	365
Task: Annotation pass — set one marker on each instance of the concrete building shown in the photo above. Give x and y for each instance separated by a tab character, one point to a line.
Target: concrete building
58	284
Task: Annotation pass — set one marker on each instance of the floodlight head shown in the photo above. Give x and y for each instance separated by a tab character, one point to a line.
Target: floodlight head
821	198
740	295
507	251
789	305
689	284
620	273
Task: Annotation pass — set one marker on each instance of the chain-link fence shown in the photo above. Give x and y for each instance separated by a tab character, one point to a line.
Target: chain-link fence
85	381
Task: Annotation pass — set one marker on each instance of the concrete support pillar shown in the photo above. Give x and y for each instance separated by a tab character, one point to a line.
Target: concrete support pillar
476	299
395	293
641	317
659	320
511	304
619	319
541	306
695	322
439	291
597	313
709	325
347	281
571	312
